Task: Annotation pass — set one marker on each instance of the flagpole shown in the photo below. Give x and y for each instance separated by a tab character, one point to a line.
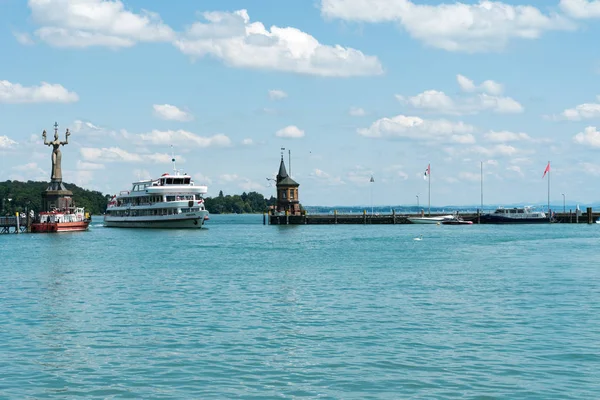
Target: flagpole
549	213
429	191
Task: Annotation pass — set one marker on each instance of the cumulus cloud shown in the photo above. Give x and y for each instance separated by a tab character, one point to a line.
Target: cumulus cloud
171	113
116	154
290	132
276	94
6	142
506	136
232	38
326	178
29	171
484	26
581	9
88	166
357	112
23	38
408	127
183	138
44	93
581	112
438	102
488	86
589	137
247	142
85	23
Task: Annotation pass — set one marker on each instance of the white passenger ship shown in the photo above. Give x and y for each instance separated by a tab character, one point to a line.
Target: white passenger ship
171	201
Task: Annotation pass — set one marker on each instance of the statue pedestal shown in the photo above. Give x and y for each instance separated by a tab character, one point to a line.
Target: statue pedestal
56	196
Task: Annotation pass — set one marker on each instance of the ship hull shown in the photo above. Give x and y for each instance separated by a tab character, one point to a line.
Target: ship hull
195	221
55	227
493	219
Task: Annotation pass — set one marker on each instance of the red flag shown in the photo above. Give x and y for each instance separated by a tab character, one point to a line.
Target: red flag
546	170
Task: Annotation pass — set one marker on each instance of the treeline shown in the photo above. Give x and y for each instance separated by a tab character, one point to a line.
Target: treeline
18	196
245	203
21	196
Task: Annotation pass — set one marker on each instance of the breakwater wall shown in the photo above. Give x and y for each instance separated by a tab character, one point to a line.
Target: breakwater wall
569	217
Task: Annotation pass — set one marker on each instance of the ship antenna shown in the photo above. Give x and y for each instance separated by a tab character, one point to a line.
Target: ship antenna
173	160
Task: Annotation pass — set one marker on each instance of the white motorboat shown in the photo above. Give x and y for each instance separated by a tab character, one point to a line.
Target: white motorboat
516	215
171	201
430	220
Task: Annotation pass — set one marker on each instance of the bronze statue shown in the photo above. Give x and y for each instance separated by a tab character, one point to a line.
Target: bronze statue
56	156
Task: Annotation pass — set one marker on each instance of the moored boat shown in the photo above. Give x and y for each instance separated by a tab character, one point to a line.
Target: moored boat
516	215
430	220
67	220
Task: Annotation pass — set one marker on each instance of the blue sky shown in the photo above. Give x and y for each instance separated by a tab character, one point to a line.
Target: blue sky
354	88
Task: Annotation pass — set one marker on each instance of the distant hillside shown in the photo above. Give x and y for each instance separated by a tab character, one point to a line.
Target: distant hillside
28	195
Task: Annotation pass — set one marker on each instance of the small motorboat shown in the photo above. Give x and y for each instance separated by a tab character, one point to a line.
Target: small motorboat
457	222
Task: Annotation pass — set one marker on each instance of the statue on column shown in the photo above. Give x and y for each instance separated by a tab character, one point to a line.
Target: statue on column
56	156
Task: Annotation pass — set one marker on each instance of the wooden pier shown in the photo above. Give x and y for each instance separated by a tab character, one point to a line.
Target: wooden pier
16	224
570	217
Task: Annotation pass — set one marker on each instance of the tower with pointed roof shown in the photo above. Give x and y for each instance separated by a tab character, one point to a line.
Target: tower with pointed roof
287	192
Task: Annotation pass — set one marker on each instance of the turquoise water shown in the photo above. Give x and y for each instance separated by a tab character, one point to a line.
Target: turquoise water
242	310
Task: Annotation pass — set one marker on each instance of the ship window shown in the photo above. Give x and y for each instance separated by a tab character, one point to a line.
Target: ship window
170	198
186	181
520	211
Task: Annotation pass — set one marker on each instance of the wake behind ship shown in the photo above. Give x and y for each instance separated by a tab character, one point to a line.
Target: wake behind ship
171	201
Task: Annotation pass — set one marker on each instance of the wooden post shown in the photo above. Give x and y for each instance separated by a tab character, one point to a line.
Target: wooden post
264	218
364	216
335	217
18	227
570	217
287	217
394	217
589	215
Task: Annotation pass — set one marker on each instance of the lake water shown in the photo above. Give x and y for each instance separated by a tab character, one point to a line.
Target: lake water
242	310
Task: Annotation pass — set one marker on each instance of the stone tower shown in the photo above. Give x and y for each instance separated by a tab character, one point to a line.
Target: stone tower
287	192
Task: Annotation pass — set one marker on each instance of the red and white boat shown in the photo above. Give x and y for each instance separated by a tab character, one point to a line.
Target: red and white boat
69	220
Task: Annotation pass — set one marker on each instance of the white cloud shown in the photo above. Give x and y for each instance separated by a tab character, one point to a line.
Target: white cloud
589	168
232	38
463	139
326	178
249	185
590	136
79	126
6	142
29	171
183	138
201	179
582	111
485	26
247	142
516	169
499	150
229	177
357	112
360	176
581	8
276	94
291	132
506	136
488	86
402	126
439	102
24	38
116	154
87	166
84	23
45	93
171	113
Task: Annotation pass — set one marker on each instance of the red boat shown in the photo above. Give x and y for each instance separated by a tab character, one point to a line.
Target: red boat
70	220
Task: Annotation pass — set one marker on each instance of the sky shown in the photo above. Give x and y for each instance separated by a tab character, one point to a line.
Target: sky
351	89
